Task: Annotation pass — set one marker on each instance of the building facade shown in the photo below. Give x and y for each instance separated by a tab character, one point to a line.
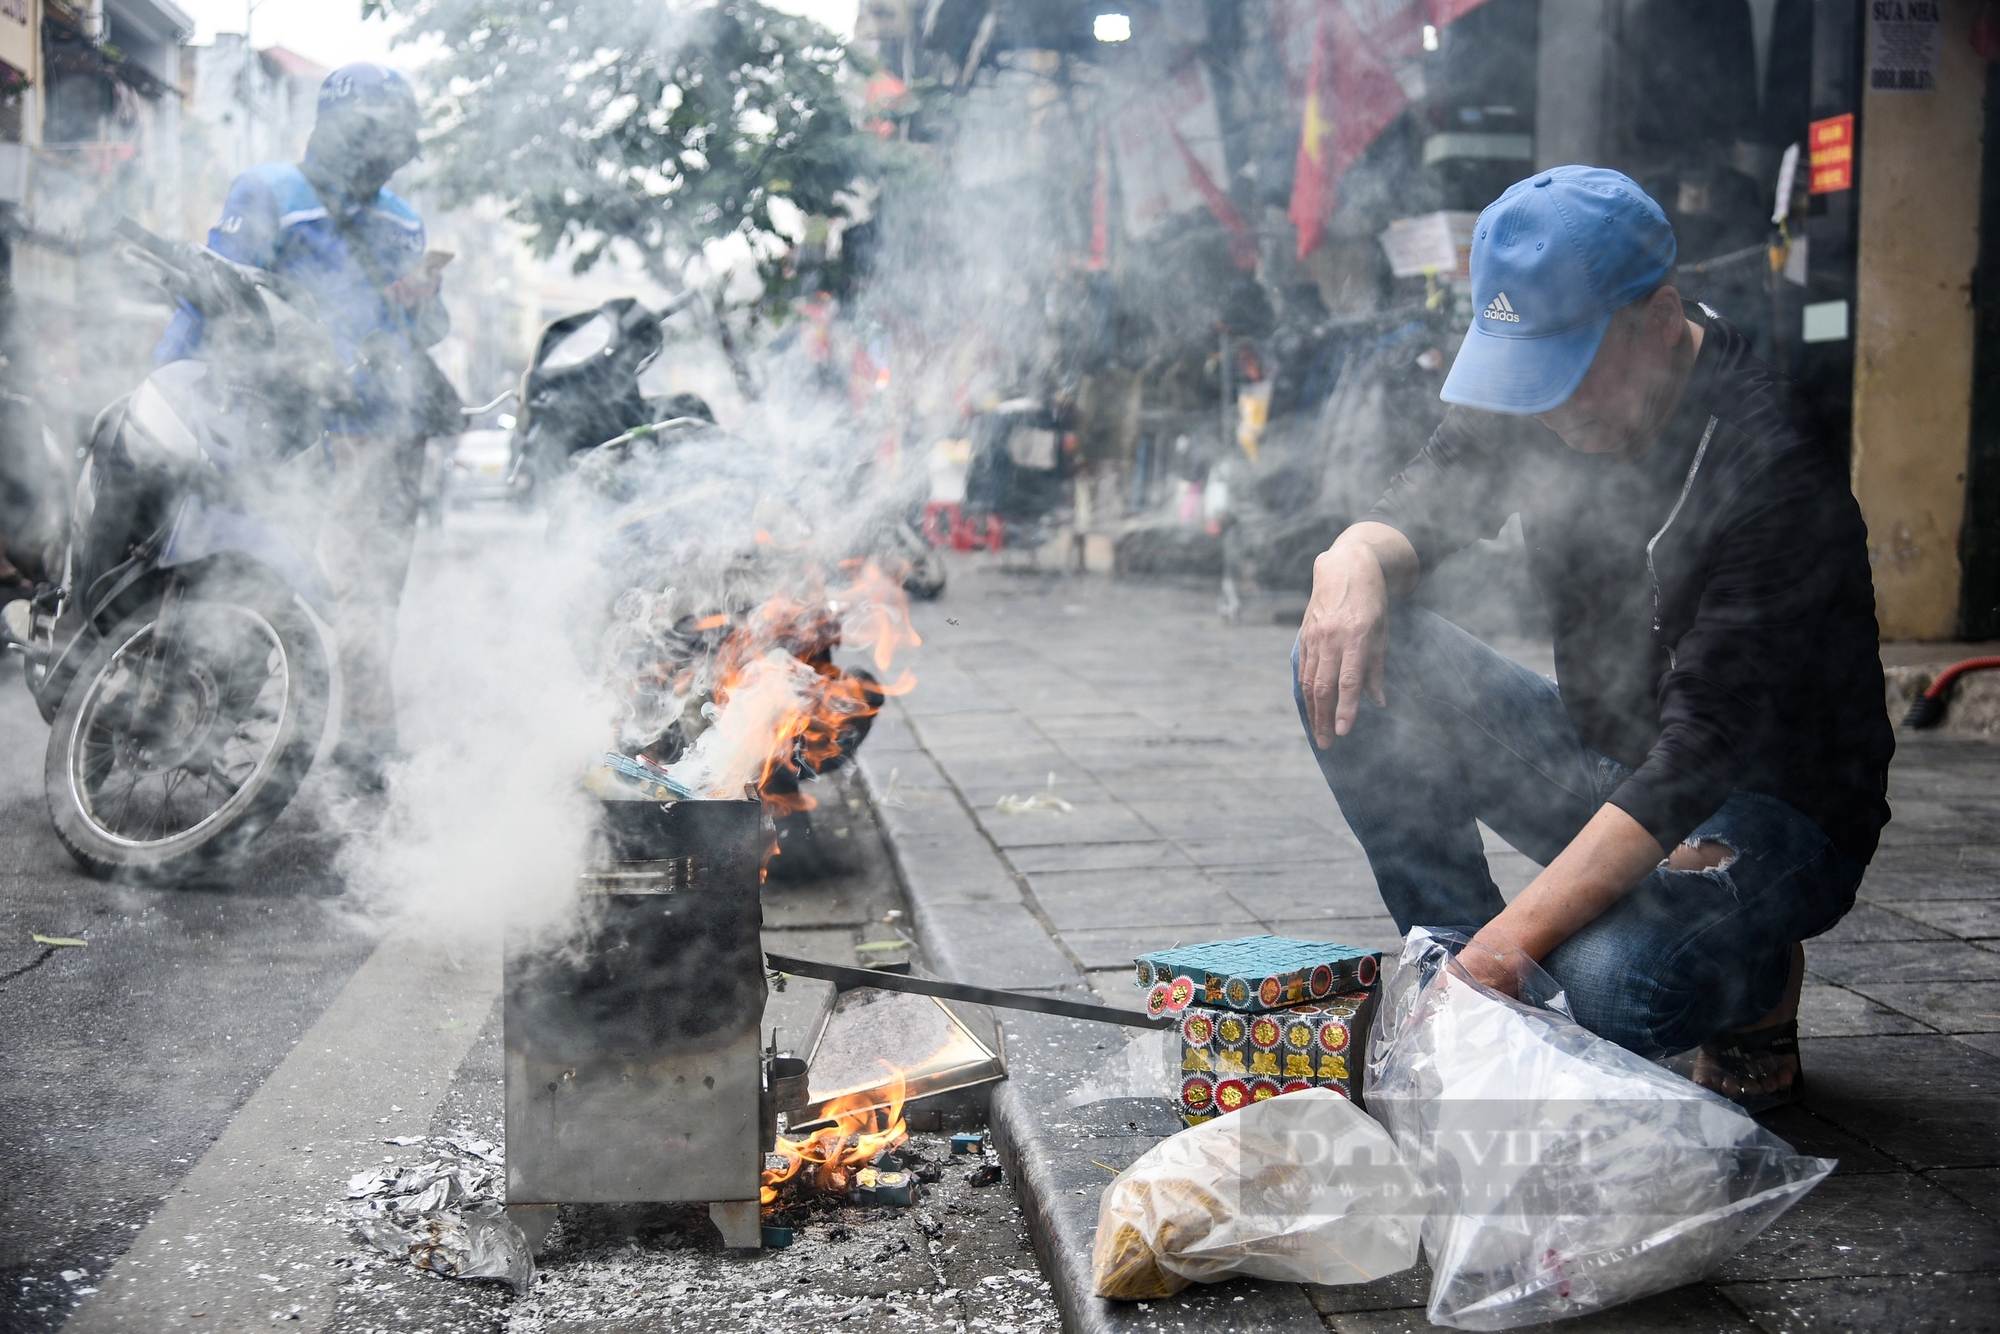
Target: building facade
1306	172
90	130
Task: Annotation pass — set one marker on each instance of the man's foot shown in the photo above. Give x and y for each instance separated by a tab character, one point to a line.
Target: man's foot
1757	1068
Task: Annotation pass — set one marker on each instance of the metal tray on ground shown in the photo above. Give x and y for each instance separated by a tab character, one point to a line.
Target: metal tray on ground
941	1047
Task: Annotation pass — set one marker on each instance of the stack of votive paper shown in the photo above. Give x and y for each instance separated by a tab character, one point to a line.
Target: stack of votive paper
1261	1016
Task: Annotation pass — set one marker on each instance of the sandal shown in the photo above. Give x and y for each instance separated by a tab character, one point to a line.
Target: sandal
1740	1054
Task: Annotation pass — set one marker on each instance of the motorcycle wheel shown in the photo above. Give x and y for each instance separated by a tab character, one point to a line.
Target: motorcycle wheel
160	791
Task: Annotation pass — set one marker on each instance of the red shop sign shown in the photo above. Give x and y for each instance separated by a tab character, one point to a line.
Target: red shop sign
1831	145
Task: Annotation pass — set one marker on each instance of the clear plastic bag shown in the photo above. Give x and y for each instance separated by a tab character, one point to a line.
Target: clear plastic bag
1148	1067
1565	1174
1304	1188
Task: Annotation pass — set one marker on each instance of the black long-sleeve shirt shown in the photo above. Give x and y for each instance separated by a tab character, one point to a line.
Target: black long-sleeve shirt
1713	610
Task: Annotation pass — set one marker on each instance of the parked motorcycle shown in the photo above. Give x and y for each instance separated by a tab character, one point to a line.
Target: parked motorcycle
1019	473
185	683
582	388
583	391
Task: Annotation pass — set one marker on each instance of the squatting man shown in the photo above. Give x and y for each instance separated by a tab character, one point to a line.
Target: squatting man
1705	786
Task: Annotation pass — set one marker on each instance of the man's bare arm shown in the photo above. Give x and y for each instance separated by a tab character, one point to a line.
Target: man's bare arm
1609	855
1345	630
1341	644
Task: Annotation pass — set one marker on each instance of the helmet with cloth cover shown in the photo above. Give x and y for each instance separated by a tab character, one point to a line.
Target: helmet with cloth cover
367	127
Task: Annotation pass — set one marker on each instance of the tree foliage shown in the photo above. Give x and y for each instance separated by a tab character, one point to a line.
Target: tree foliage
665	123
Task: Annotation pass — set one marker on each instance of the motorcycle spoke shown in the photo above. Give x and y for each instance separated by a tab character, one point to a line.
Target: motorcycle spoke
170	783
177	785
151	816
238	693
100	762
125	801
215	775
162	811
152	777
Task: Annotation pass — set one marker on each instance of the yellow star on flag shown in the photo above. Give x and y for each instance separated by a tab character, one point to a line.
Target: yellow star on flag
1315	128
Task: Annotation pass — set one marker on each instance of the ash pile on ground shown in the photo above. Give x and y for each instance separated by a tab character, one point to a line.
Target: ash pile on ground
958	1260
445	1214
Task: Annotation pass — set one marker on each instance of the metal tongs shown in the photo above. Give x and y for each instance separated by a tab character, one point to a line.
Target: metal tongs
845	978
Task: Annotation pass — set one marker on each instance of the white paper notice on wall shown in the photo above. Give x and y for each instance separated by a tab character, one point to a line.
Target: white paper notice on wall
1796	260
1825	322
1903	43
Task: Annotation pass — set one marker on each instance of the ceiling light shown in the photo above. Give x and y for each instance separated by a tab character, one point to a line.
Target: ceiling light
1111	28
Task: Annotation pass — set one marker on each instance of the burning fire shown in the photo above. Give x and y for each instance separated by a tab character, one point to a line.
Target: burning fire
871	612
864	1124
781	709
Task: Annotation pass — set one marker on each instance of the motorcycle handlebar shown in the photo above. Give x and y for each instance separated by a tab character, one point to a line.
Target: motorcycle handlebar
179	267
653	428
157	246
484	408
678	304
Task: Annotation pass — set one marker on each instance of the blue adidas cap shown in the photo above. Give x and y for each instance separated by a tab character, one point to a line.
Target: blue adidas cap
1551	259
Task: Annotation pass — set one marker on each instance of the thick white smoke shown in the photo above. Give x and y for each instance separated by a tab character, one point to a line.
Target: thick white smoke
486	819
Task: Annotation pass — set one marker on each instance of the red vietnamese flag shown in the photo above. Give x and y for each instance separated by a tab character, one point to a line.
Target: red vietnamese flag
1351	96
1100	210
1311	182
1242	240
1444	13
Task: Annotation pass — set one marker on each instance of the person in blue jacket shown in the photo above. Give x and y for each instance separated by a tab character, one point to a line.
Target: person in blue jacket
330	224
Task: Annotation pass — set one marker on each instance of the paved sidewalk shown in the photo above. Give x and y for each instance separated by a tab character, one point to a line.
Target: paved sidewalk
1196	812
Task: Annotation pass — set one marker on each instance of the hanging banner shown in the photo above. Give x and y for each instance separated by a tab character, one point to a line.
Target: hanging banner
1242	238
1904	38
1439	244
1168	144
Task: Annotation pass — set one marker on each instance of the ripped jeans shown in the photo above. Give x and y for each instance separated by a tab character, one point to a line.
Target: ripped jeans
1470	735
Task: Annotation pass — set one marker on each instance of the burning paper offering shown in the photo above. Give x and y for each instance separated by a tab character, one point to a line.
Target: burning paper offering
445	1214
718	703
864	1127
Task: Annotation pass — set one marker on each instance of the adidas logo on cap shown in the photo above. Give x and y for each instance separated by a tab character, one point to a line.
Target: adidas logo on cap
1500	309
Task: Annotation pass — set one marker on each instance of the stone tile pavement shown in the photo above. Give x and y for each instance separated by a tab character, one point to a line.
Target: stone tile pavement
1195	811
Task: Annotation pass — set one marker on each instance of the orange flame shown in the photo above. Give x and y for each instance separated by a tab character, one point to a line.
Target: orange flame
864	1124
871	612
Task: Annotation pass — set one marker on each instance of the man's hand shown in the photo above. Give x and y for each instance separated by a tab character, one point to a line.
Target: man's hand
421	283
1346	627
1493	960
1608	856
415	287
